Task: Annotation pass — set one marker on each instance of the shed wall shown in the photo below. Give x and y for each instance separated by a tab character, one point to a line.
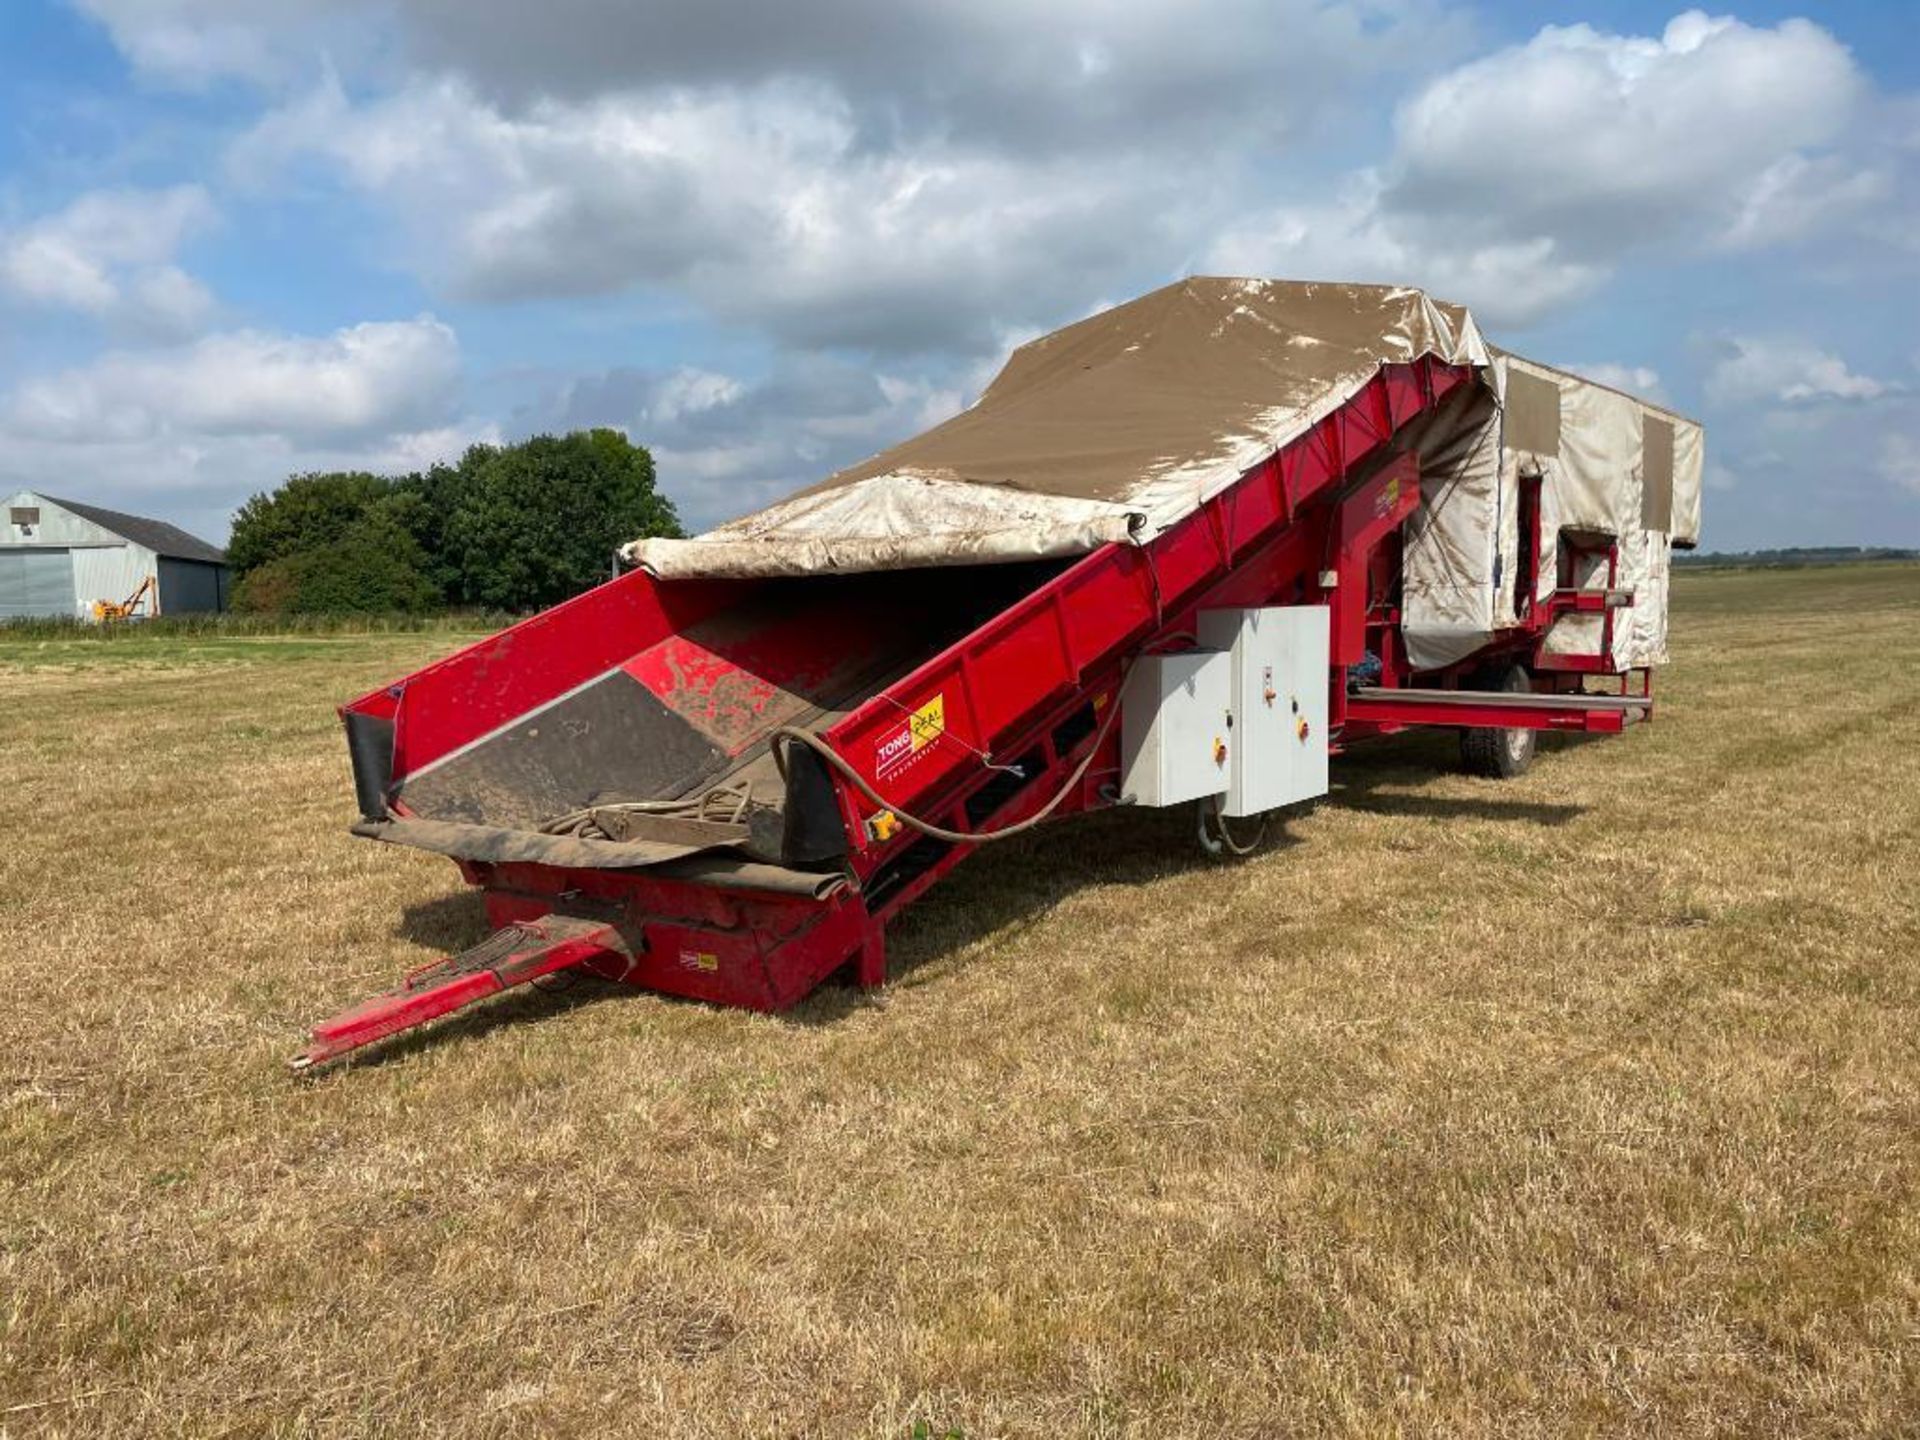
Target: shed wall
190	587
108	573
56	527
34	583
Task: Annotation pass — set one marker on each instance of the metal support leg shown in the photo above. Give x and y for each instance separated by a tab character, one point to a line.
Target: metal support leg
870	966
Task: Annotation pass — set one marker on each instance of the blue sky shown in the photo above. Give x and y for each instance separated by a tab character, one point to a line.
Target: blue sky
238	240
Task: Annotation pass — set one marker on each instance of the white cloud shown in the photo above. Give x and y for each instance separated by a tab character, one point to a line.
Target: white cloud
1762	371
1639	380
690	391
369	379
1900	461
1583	132
414	450
1061	73
191	43
767	206
1006	74
1510	189
189	432
847	184
723	445
1507	282
918	175
1797	195
1520	181
109	254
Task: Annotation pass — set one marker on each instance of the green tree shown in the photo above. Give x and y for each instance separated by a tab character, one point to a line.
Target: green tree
513	527
527	525
422	503
308	512
375	566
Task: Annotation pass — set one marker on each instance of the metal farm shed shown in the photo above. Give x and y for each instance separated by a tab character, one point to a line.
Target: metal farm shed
59	557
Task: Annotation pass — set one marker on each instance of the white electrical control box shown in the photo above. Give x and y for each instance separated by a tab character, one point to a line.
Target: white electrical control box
1176	739
1278	676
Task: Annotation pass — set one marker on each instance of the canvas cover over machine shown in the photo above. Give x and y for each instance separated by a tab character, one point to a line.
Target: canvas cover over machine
1114	428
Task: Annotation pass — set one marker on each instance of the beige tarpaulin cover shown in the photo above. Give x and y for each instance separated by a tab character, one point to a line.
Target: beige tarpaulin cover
1123	424
1588	446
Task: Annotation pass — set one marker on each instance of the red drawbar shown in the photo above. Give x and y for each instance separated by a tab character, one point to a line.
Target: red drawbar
512	956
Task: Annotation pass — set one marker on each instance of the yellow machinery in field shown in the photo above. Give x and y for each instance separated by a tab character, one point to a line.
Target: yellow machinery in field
147	595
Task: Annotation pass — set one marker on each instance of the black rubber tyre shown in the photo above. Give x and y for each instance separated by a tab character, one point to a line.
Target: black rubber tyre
1499	754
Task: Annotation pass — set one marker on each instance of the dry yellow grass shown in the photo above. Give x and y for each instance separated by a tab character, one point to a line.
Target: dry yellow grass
1585	1104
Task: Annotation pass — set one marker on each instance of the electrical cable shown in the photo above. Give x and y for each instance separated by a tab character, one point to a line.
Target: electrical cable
1226	840
792	733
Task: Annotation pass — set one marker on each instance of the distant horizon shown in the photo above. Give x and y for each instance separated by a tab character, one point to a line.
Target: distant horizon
1869	552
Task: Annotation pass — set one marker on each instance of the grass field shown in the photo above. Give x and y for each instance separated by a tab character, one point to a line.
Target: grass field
1584	1104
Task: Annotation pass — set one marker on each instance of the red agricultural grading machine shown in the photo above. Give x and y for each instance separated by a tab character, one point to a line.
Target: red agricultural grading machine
725	784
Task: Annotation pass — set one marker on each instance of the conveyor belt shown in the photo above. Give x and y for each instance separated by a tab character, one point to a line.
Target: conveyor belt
691	707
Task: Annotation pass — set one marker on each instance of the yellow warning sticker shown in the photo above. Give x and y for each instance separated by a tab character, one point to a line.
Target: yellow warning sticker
1389	496
699	959
899	748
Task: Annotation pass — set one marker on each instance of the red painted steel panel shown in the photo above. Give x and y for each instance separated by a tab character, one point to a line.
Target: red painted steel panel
496	681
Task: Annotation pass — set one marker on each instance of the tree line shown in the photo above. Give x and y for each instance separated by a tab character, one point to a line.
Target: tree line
510	527
1793	557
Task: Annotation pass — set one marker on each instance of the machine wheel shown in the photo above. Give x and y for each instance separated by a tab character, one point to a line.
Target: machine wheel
1499	754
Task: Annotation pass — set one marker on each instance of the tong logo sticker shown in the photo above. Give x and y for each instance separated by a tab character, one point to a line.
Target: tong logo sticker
898	748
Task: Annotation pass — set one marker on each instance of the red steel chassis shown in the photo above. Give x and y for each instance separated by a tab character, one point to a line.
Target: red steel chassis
1318	523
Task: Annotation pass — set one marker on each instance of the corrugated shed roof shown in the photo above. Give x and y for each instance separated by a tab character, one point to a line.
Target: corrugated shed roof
158	536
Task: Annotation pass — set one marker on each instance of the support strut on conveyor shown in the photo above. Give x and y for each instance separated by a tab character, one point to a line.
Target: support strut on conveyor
1496	709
